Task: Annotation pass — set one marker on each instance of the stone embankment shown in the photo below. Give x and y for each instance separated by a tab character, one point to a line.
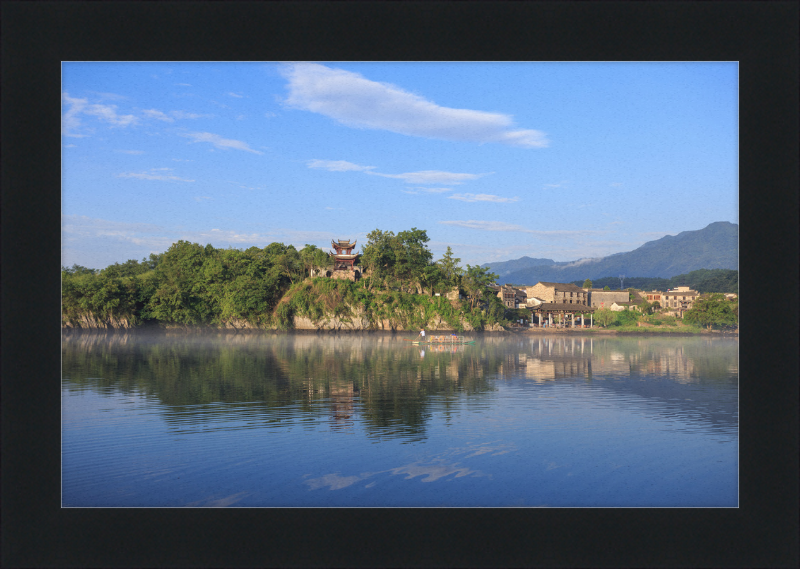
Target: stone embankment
355	323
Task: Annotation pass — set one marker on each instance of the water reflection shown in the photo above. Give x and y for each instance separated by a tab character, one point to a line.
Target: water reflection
282	378
381	382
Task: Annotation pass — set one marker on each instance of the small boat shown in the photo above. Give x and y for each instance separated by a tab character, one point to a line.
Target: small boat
444	340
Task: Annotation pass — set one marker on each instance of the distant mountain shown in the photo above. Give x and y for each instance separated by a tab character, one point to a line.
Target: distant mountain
714	247
507	267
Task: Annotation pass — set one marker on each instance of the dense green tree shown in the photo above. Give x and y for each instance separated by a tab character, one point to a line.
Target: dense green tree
450	268
378	256
314	257
587	284
474	282
77	270
712	310
606	287
604	316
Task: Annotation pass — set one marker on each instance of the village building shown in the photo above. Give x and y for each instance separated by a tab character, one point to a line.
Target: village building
507	295
558	304
599	298
654	296
678	300
620	306
559	293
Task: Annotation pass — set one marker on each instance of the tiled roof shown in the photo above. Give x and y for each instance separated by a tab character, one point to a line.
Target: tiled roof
569	287
561	306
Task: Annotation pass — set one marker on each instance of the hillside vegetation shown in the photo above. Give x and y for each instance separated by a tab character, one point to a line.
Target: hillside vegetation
701	280
192	285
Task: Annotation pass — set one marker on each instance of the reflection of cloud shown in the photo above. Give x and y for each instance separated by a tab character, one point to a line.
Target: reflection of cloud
219	502
431	470
333	481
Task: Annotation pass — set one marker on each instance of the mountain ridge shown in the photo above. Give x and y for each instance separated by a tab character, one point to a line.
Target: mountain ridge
716	246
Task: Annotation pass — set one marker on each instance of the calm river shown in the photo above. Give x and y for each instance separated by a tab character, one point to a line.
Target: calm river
309	420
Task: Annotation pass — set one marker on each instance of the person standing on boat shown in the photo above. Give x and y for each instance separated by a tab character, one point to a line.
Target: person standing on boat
422	334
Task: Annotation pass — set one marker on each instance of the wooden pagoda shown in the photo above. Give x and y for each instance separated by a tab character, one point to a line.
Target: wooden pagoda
344	259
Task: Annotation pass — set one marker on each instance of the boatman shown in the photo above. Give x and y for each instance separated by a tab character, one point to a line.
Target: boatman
422	334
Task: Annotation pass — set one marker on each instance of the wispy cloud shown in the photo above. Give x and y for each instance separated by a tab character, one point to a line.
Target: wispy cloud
108	96
615	185
71	119
219	142
70	146
76	227
201	198
338	166
431	177
427	191
130	151
154	114
562	184
154	174
183	84
159	115
236	95
355	101
482	198
503	226
423	177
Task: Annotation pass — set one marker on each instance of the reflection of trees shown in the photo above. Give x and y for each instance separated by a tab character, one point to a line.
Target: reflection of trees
377	377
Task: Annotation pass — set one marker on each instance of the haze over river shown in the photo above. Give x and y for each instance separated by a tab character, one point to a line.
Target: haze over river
369	419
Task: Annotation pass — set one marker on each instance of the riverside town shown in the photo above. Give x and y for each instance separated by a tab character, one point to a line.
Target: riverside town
392	284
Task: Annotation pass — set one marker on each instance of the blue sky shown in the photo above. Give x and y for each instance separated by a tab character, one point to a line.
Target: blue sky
496	160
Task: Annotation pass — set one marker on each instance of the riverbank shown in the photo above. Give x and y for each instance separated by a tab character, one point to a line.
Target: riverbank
648	331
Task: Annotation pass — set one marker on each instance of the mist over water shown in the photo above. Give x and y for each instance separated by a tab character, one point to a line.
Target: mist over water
370	420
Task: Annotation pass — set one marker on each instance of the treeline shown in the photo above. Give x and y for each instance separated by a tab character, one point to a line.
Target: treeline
194	285
701	280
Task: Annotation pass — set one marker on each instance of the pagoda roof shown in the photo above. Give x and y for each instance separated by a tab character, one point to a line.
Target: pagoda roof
343	243
343	256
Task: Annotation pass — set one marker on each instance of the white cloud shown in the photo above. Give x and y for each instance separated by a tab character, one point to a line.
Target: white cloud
201	198
70	146
417	191
154	174
154	114
219	142
183	84
236	95
76	227
355	101
130	151
481	198
71	121
270	115
561	184
185	115
338	166
109	96
503	226
615	185
431	177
